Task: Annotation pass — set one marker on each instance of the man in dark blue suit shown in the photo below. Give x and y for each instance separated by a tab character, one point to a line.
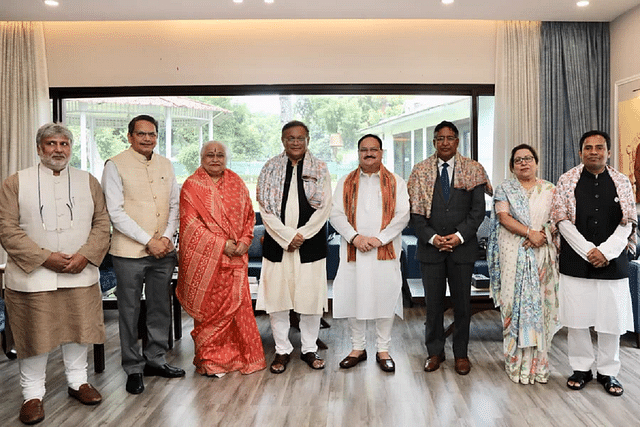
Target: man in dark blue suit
447	207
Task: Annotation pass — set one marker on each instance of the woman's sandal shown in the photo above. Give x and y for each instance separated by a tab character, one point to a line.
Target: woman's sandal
581	378
279	364
610	384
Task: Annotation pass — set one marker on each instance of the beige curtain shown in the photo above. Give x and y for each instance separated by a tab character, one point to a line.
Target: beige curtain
24	95
517	93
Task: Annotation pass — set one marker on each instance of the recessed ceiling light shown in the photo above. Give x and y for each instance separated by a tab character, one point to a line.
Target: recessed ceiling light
447	1
582	3
237	1
268	1
51	3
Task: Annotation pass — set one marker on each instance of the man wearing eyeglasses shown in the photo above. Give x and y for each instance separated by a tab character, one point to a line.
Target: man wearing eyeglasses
370	210
55	228
447	207
142	199
294	193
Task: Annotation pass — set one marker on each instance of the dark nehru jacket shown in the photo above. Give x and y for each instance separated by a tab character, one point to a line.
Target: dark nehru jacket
314	248
598	213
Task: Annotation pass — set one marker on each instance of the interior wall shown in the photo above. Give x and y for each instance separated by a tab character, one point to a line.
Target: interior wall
625	62
129	53
625	49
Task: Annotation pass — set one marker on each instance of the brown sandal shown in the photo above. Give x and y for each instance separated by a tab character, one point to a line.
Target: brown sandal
310	359
279	364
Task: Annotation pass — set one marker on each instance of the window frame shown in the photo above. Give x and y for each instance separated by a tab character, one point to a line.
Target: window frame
59	94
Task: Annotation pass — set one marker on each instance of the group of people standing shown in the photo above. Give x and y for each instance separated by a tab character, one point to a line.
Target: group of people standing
559	256
55	224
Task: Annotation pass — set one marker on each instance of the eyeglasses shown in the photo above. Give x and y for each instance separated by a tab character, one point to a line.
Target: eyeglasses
300	139
520	160
369	150
141	134
449	138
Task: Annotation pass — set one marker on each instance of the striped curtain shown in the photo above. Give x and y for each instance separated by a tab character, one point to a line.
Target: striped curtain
575	90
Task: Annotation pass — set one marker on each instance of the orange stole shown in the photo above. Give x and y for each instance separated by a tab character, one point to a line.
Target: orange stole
349	198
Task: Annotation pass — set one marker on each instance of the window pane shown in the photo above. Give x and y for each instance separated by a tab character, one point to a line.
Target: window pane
250	126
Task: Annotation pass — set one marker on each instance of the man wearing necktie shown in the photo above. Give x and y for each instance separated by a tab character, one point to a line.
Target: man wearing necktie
446	192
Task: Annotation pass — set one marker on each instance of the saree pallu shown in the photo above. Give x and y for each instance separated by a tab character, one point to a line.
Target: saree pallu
524	282
212	287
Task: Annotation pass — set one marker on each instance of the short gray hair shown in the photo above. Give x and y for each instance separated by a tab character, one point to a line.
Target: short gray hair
53	129
224	147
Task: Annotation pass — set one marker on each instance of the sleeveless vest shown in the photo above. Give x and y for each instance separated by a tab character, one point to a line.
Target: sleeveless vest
146	186
56	212
314	248
598	214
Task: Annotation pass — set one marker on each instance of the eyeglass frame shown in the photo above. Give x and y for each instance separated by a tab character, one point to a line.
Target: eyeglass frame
525	159
291	139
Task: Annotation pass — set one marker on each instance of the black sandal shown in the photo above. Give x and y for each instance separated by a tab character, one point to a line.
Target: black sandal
310	358
279	364
580	377
610	384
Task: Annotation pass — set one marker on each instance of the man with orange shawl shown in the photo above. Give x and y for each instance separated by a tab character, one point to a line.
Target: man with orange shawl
370	209
216	228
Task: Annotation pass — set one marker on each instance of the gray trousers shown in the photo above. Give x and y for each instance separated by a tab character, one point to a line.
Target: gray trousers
155	274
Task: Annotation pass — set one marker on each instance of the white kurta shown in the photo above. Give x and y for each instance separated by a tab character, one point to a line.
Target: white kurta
290	284
369	288
604	304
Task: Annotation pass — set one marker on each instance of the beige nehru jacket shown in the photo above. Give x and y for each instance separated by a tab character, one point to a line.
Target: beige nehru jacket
146	186
41	213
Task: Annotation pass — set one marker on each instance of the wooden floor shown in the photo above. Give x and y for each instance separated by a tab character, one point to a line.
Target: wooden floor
362	396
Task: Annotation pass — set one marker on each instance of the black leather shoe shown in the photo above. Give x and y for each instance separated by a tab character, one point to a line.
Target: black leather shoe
386	365
135	385
351	361
166	371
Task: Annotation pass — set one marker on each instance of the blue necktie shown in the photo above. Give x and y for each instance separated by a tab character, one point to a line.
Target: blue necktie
444	180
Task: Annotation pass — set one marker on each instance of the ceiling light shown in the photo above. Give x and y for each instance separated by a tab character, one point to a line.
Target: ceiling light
447	1
268	1
237	1
582	3
51	2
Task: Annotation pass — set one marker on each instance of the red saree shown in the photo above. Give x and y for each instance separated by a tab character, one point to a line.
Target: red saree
213	288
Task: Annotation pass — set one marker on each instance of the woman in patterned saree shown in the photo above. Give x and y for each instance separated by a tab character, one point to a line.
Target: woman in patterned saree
523	268
216	228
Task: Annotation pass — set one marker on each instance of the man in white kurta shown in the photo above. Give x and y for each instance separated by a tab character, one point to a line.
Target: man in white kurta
55	229
294	193
366	286
594	209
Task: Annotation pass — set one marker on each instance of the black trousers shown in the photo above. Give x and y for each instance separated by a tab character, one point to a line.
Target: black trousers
434	280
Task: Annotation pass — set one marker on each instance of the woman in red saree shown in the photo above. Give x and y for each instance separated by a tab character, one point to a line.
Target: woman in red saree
216	228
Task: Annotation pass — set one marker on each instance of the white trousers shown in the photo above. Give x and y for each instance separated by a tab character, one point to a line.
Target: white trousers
33	370
582	357
309	327
383	333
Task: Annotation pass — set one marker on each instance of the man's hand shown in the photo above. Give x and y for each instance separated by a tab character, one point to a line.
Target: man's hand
57	262
159	248
76	264
297	241
596	258
446	243
365	243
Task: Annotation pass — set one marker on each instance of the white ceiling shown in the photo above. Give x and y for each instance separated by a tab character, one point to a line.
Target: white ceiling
137	10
